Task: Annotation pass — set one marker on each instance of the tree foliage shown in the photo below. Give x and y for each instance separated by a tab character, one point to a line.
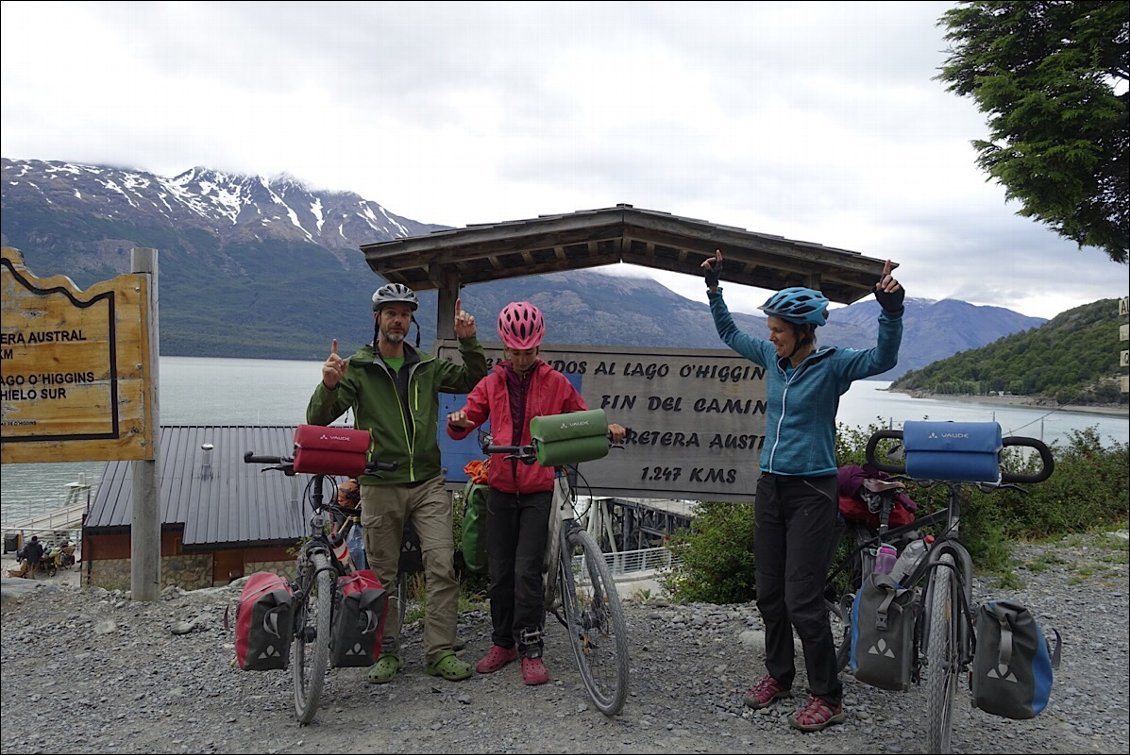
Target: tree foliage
1072	359
1052	76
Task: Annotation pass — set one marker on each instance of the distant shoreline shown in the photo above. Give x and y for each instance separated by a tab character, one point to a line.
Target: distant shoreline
1034	402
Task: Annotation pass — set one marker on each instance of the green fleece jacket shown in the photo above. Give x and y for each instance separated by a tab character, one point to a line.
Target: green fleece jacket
404	421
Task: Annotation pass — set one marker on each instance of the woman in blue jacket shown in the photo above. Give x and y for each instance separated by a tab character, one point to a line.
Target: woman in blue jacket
796	501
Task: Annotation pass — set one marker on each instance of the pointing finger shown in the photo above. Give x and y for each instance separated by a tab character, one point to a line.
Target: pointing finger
458	304
333	347
886	268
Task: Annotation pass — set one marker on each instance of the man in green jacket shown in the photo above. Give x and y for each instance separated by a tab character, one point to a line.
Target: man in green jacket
393	391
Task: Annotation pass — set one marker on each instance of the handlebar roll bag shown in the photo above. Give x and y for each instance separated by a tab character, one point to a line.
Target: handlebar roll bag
961	451
330	450
570	438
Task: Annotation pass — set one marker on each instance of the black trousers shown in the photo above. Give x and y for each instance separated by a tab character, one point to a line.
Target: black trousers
795	541
517	530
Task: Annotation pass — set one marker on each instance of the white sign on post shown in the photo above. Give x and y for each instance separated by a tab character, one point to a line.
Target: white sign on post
695	418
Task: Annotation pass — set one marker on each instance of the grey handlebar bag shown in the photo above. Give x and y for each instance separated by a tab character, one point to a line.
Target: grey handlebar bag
1013	661
882	633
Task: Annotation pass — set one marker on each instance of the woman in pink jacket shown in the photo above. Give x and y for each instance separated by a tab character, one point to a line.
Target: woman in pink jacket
518	389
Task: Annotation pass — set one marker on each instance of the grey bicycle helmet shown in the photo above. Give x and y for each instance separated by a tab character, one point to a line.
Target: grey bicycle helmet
394	293
802	306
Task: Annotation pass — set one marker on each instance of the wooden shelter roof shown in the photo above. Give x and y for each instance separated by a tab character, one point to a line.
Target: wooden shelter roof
590	238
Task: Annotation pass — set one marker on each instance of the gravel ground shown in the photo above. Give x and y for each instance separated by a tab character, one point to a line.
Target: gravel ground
86	670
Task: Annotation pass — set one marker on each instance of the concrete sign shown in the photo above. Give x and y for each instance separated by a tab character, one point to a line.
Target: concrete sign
696	419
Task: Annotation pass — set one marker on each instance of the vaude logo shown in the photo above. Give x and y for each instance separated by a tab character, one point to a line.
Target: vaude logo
1003	673
935	436
334	437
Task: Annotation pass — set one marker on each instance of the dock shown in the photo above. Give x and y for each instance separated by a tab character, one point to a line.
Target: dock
63	523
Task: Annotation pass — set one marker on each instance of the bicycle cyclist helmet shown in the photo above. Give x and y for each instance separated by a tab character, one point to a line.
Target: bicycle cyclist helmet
802	306
520	325
394	293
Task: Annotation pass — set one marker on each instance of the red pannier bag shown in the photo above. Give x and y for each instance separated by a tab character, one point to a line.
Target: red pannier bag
336	451
358	619
264	623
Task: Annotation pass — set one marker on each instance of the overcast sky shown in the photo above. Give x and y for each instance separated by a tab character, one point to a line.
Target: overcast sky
819	122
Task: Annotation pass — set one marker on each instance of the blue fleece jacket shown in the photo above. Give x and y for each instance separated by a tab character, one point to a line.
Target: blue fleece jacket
800	424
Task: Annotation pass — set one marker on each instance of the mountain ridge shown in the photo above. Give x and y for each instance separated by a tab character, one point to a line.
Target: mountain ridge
267	268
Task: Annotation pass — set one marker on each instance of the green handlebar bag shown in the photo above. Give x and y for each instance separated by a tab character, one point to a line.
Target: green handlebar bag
570	438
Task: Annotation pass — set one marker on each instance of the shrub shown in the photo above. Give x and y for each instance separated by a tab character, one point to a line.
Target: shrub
714	559
1089	488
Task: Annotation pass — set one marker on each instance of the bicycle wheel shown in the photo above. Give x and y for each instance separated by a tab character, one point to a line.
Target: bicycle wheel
312	637
941	654
595	621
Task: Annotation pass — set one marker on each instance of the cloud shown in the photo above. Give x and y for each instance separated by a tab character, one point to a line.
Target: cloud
819	122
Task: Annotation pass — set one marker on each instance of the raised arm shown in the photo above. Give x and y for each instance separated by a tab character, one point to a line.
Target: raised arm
889	292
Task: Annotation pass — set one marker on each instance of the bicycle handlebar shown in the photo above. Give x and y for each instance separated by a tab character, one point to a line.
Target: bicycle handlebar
1046	460
527	454
286	463
873	442
524	454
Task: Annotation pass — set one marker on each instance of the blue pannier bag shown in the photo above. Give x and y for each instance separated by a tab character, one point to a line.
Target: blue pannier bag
963	451
1013	662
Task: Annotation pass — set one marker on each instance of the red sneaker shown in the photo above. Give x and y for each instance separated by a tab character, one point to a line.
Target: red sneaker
534	671
766	692
816	714
495	659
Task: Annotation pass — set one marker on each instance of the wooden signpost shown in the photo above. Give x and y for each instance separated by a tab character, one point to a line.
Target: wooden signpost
78	382
74	367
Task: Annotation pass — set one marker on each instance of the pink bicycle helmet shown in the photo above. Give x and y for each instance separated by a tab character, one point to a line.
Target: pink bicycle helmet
520	325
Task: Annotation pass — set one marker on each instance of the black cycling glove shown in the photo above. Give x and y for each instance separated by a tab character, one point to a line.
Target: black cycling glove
891	302
712	273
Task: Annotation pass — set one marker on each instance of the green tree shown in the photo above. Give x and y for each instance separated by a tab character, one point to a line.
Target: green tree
1052	77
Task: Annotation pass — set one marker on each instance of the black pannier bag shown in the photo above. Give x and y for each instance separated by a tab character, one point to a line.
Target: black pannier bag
882	633
358	619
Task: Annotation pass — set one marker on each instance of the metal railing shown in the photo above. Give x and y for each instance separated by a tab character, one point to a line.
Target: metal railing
67	518
635	564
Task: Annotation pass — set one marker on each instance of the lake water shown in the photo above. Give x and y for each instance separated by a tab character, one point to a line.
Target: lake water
273	392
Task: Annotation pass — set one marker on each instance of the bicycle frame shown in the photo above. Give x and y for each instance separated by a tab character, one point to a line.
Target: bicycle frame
945	633
585	602
315	584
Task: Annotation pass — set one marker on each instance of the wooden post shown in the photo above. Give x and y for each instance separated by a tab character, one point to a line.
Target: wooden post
145	528
447	294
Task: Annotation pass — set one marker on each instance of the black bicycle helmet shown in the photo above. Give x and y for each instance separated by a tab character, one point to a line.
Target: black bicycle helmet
394	293
802	306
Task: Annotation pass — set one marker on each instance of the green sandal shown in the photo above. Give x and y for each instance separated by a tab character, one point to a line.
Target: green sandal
384	669
450	668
